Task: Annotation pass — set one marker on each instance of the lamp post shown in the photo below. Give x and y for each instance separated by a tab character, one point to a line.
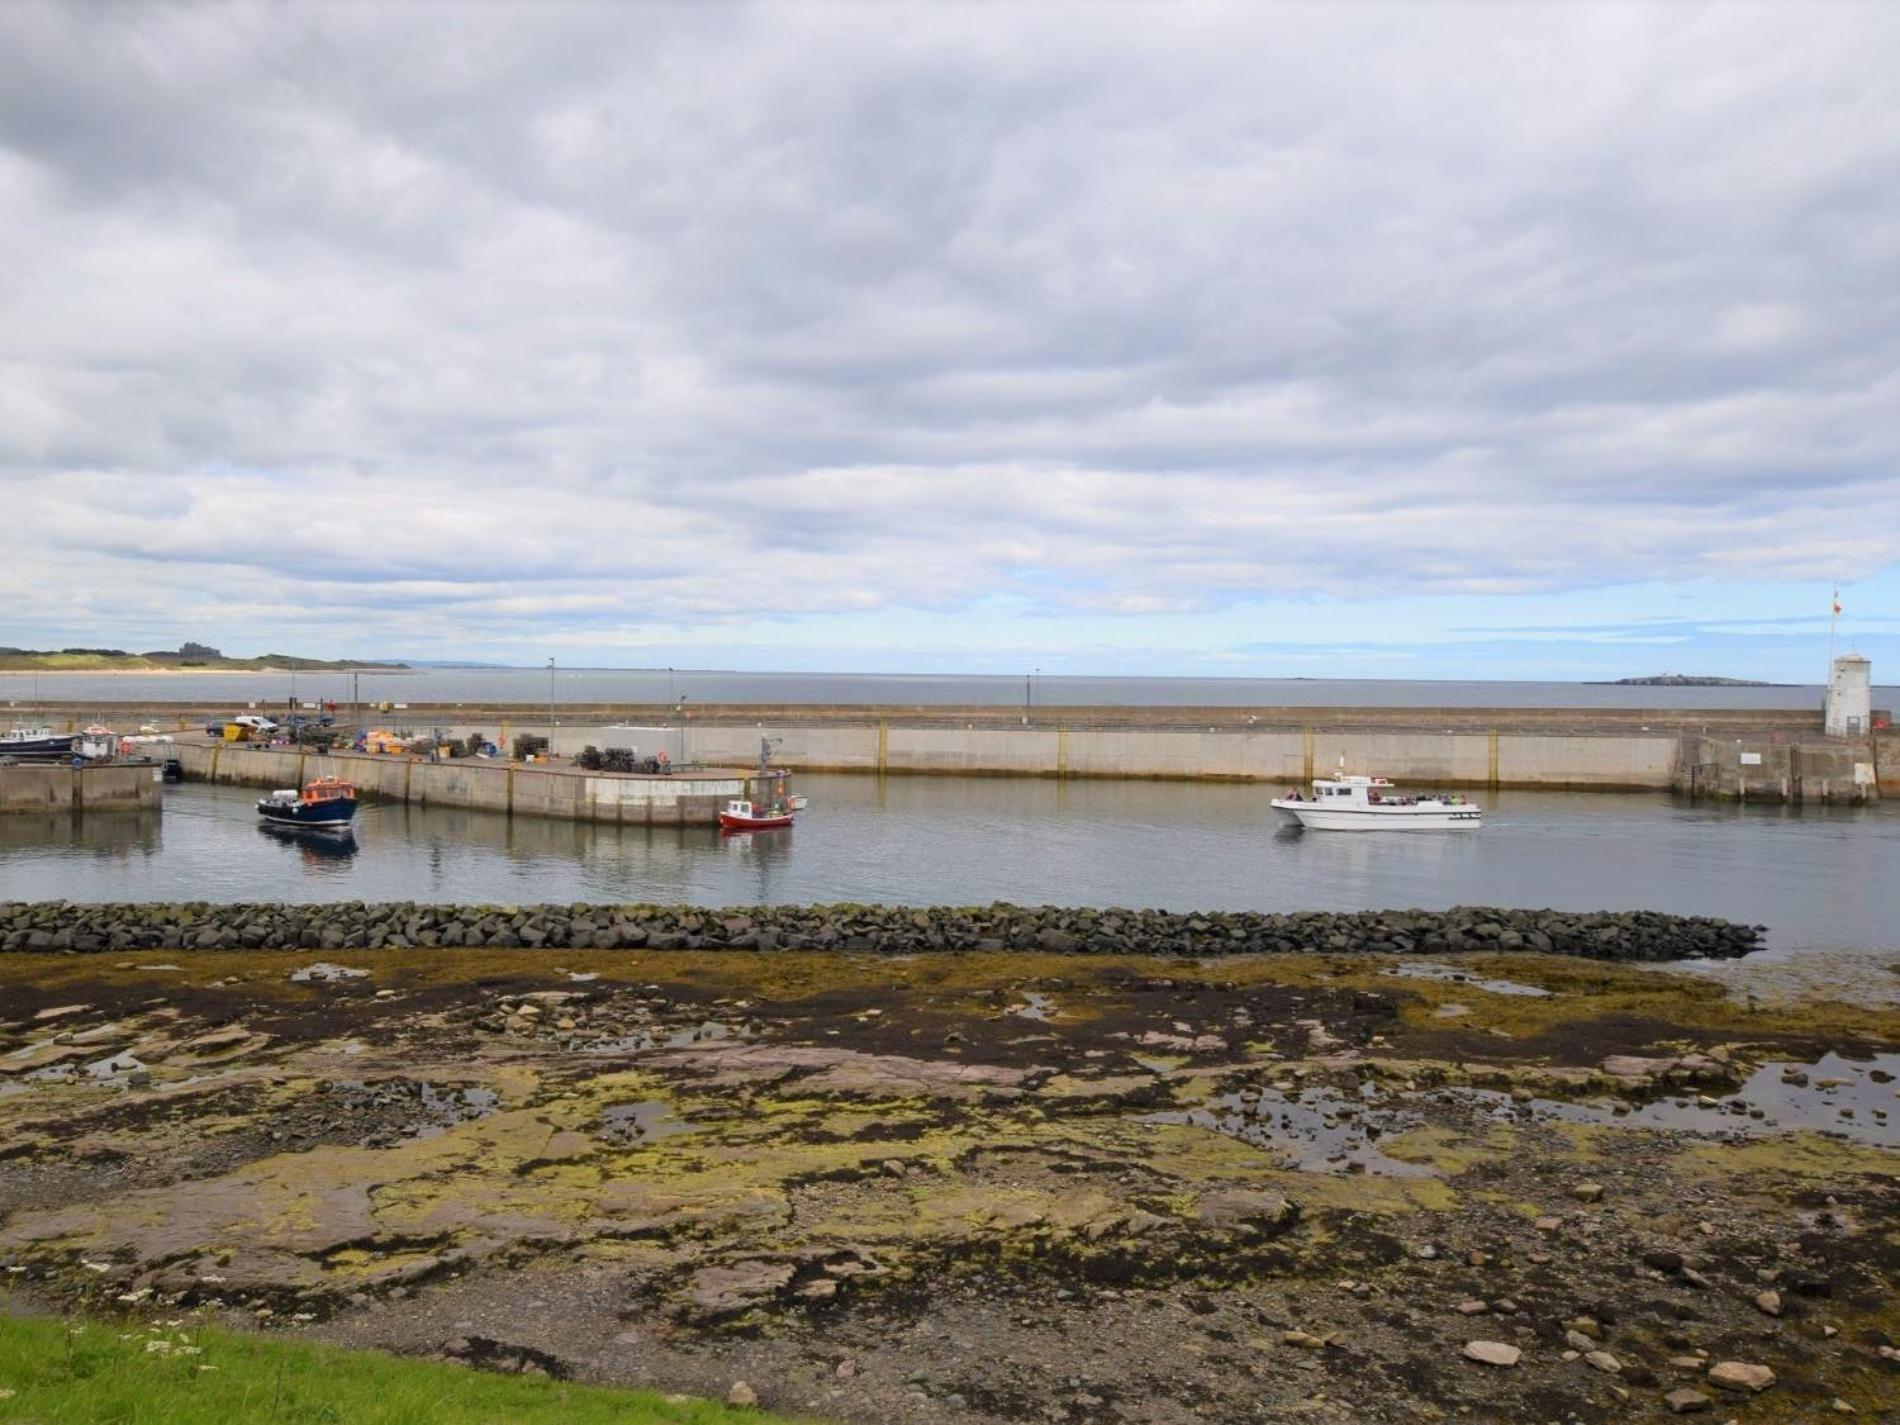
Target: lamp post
550	709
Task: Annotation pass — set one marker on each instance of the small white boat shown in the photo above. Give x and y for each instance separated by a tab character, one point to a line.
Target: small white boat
1344	803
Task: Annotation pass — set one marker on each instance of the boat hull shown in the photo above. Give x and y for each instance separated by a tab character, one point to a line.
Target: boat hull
1315	817
36	748
333	815
730	822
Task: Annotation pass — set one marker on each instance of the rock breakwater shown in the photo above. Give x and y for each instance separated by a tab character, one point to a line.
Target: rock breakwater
1599	935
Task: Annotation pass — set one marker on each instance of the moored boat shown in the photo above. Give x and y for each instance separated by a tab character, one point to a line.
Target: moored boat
36	742
328	803
1344	803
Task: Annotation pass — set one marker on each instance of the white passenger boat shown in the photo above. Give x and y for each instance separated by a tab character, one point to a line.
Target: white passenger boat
1344	803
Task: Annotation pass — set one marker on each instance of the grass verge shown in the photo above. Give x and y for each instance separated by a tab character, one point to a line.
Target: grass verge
63	1373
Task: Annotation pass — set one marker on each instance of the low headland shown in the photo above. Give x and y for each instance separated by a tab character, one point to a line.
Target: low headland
188	659
896	1164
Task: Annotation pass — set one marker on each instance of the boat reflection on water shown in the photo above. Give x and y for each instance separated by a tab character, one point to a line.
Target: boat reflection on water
317	847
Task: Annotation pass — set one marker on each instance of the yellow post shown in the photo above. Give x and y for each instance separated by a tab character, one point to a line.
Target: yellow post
1062	751
883	744
1306	754
1491	752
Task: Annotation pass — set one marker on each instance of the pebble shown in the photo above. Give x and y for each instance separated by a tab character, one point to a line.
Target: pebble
1741	1376
1587	1192
1685	1401
742	1394
1492	1353
1473	1307
1768	1303
1603	1361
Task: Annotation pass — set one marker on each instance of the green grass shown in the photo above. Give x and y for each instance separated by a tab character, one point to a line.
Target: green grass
58	1373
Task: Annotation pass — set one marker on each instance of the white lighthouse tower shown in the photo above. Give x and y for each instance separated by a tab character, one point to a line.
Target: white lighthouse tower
1850	697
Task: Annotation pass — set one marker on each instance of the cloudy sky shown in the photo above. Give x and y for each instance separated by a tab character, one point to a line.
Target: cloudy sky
1393	340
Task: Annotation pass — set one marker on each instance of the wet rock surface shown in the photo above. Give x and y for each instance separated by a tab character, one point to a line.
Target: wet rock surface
872	1188
867	929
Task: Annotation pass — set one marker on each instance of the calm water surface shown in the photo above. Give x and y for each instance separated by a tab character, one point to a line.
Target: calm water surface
660	685
1820	879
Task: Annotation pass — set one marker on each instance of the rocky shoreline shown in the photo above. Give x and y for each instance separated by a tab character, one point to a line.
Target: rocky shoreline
893	930
948	1189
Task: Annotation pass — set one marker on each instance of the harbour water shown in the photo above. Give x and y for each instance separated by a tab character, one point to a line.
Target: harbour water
532	686
1819	878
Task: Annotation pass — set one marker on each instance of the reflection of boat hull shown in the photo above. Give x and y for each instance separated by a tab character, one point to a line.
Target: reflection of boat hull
1440	817
327	841
730	821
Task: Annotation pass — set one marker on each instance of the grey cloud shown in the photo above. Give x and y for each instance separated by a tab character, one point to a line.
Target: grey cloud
696	312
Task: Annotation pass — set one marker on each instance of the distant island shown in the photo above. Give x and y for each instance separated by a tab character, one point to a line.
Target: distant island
192	657
1688	680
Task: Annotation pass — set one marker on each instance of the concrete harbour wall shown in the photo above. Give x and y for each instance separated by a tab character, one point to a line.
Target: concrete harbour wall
477	785
1467	759
1465	748
45	788
1771	769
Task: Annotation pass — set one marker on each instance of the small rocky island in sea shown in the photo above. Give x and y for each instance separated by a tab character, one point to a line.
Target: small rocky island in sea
1690	680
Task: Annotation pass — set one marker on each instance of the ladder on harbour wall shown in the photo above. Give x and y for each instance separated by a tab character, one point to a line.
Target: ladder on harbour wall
1787	773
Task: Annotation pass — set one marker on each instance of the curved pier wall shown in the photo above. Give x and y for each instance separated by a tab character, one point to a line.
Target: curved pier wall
560	792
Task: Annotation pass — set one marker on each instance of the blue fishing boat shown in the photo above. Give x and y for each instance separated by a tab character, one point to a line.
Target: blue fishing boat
36	743
327	804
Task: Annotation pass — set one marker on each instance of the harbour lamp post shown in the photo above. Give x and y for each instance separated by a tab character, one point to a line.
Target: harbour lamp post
550	709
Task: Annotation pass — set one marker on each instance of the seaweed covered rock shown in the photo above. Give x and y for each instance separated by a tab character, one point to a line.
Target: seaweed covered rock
1602	935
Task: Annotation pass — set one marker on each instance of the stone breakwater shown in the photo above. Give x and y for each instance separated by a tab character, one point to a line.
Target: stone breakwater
1599	935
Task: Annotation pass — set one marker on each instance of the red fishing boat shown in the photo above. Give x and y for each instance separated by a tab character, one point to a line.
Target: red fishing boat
742	815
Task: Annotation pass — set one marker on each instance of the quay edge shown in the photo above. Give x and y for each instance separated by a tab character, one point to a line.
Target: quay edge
1726	754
